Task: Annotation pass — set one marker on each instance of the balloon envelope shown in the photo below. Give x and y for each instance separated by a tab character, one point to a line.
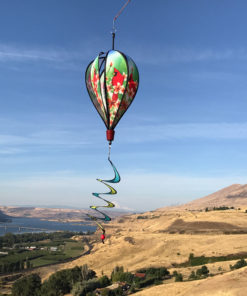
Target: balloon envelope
112	83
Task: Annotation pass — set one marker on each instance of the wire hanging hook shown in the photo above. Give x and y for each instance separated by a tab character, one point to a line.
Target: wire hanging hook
114	20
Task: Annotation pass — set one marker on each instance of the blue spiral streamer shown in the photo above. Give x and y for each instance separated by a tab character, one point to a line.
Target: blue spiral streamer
112	191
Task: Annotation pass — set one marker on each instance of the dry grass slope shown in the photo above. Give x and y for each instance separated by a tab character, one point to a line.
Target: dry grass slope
229	284
168	236
137	243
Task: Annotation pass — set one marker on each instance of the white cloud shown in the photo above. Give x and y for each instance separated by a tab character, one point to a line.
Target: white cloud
142	54
14	53
12	140
140	132
59	55
161	132
10	151
44	137
157	56
136	191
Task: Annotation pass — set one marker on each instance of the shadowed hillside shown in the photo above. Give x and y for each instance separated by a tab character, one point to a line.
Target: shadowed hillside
180	226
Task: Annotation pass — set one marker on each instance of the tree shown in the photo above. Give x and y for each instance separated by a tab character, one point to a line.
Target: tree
75	275
191	257
57	284
174	273
87	273
27	286
192	276
82	288
91	294
9	239
157	273
203	271
239	264
28	264
118	275
77	288
122	277
117	269
104	281
178	277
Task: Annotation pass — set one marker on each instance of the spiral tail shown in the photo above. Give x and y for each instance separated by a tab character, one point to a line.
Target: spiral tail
112	191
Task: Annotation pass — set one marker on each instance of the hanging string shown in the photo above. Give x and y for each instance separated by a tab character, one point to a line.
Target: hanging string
114	20
118	14
112	191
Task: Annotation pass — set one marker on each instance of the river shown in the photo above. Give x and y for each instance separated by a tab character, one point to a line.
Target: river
37	225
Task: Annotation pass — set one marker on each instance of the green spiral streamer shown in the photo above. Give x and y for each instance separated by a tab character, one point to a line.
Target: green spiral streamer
112	191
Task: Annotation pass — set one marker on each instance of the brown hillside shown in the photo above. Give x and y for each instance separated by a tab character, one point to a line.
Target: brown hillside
136	243
167	237
231	196
229	284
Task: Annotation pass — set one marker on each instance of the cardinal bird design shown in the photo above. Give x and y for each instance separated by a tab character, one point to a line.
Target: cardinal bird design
117	82
117	78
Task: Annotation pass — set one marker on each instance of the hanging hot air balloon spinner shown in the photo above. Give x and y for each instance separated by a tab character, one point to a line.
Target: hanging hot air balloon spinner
112	81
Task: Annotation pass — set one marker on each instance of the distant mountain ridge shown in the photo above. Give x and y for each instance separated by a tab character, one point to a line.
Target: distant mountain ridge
232	196
53	213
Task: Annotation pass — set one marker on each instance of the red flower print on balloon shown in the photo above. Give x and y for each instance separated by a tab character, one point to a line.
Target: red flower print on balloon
100	102
95	77
117	88
113	100
109	88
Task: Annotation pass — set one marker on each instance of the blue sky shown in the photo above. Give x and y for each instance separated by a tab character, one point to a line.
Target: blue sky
184	136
